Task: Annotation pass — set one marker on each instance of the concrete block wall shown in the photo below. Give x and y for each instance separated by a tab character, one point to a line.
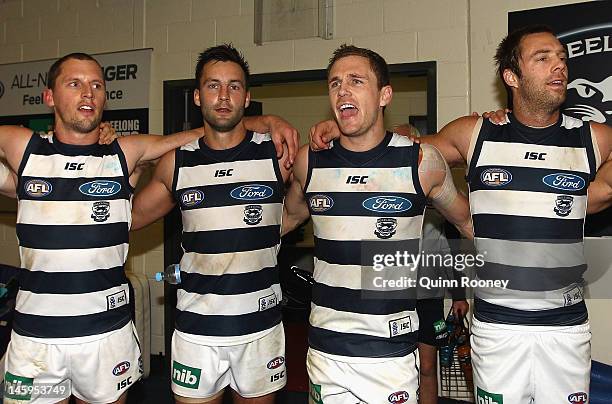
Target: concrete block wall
400	30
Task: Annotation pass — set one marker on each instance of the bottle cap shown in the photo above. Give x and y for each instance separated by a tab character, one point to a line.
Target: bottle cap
159	276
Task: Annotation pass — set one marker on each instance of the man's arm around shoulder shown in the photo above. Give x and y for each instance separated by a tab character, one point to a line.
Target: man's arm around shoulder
155	199
295	209
13	142
138	148
437	183
453	140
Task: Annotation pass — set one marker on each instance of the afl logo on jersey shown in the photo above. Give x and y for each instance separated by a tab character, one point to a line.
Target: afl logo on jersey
100	188
565	182
495	177
192	197
252	192
37	188
320	203
387	204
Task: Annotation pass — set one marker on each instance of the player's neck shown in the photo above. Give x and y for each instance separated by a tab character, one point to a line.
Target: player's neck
364	141
534	117
224	140
70	136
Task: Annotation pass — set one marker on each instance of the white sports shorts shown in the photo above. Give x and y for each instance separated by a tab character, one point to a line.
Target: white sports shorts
253	369
97	371
395	380
530	364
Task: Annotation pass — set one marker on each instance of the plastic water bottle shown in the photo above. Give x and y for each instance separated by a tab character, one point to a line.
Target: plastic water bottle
172	274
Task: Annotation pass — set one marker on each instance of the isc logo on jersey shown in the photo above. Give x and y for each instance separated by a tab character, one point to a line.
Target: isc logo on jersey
252	192
37	188
565	182
320	203
192	197
100	188
387	204
495	177
399	397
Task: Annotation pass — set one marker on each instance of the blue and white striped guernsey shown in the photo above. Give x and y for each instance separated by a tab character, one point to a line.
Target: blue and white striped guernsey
74	214
231	203
355	197
528	196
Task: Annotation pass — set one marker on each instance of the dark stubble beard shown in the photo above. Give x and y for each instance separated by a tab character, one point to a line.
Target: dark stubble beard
85	125
540	98
223	126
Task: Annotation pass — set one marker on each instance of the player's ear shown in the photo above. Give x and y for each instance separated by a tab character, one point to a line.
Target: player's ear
386	94
510	78
48	97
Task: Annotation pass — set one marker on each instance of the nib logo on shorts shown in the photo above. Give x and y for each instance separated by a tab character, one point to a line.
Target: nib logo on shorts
484	397
315	393
17	387
185	376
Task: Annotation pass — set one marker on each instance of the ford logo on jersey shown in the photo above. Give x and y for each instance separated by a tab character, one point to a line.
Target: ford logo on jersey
387	204
37	188
252	192
495	177
399	397
566	182
100	188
